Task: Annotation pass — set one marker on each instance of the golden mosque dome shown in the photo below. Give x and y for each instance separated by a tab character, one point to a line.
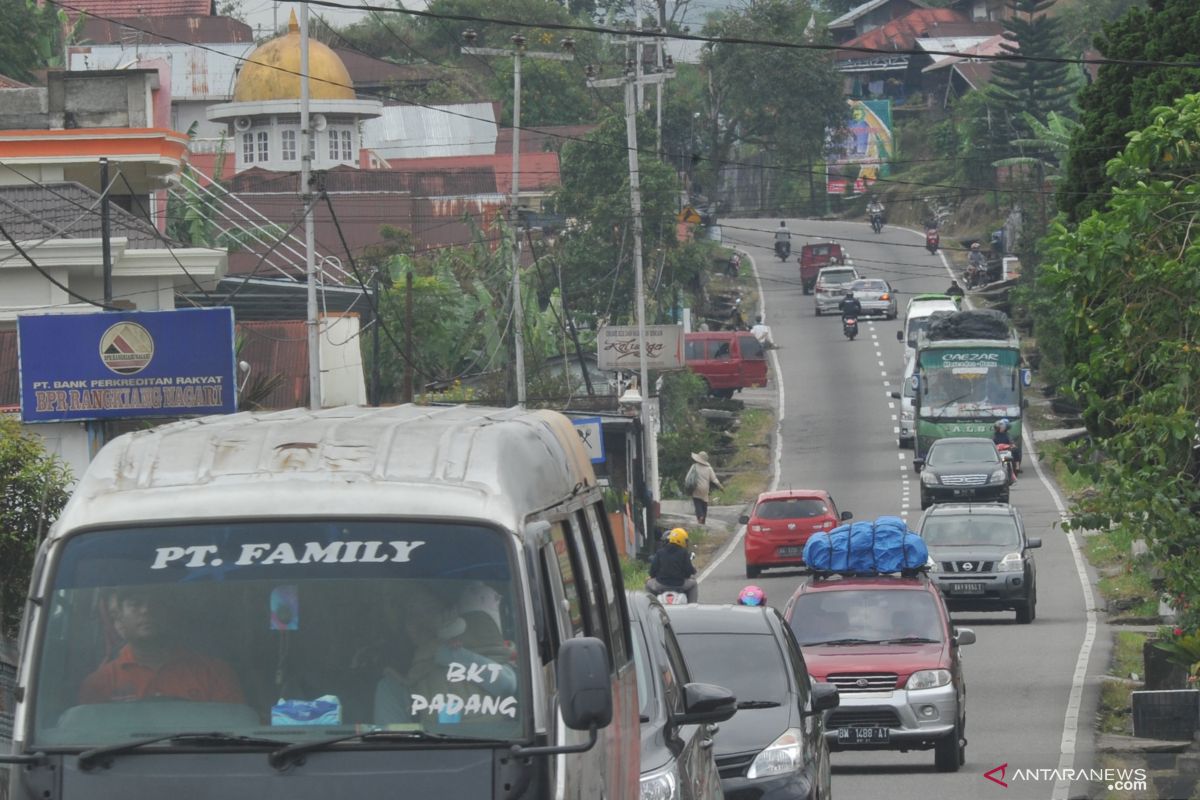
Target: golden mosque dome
272	72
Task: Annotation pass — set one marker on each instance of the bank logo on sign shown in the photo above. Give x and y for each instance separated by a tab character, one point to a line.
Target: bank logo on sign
126	348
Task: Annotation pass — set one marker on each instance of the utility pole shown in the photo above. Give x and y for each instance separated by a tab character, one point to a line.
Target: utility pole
408	334
375	323
310	263
632	81
518	52
105	234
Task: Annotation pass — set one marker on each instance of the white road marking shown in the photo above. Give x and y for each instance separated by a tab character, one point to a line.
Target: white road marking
884	373
895	429
894	417
1071	729
892	405
902	456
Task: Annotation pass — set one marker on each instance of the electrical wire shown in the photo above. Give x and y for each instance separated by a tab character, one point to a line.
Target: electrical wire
17	246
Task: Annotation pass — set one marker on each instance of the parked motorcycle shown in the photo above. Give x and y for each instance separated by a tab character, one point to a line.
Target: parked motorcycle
933	241
783	249
850	327
1008	461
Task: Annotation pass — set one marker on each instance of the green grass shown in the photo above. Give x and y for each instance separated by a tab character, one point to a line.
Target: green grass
1127	654
634	572
1114	711
1130	592
1056	456
751	459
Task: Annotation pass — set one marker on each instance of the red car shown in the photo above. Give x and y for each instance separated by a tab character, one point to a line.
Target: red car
780	524
888	644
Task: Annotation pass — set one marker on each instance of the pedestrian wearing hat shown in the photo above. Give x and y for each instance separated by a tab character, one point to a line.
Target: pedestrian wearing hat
698	482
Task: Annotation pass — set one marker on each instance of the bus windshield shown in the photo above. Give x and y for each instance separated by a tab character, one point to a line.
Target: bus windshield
969	383
295	630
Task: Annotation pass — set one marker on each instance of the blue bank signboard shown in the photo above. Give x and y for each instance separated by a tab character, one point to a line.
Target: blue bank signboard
116	365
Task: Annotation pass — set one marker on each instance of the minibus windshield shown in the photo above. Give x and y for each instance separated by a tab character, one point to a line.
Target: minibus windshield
293	630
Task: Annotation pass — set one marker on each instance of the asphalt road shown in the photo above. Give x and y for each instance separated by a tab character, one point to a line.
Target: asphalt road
839	433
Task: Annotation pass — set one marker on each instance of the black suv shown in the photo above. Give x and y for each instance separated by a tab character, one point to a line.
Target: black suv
962	468
775	745
981	557
677	757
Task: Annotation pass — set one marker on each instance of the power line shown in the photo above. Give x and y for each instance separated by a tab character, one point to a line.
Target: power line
16	245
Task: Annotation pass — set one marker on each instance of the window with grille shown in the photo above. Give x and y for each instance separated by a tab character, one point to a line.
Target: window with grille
289	145
264	146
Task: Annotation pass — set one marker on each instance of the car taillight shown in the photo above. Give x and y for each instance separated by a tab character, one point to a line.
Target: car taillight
885	296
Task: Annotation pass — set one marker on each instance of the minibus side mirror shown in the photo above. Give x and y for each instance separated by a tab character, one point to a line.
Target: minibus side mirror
705	703
584	694
824	697
584	684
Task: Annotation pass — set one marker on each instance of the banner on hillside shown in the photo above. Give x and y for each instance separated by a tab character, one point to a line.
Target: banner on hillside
860	154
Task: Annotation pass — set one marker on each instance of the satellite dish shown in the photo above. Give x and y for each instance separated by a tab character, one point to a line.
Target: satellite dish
242	123
319	123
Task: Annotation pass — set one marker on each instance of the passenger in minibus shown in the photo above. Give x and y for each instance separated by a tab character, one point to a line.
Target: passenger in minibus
153	663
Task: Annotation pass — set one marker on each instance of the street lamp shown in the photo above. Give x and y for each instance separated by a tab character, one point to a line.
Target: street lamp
518	52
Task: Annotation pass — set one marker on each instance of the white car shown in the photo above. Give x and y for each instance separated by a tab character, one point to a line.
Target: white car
916	318
906	396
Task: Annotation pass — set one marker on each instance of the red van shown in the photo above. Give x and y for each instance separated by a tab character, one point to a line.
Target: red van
815	256
728	361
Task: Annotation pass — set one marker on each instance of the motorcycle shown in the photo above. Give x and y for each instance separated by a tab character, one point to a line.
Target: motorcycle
932	241
783	249
850	327
673	598
877	222
1007	461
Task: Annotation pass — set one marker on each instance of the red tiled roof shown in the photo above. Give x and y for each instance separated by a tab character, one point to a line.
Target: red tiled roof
8	83
126	9
903	32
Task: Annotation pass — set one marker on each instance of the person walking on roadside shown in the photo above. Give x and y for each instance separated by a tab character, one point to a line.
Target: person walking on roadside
698	483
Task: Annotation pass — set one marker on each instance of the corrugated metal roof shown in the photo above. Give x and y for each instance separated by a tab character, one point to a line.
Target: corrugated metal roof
68	211
539	171
431	177
544	139
462	129
847	20
367	72
197	73
985	47
162	30
277	351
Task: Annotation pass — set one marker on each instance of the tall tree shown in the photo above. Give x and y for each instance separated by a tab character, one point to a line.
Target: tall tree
30	37
1123	97
33	489
1124	282
1036	87
778	99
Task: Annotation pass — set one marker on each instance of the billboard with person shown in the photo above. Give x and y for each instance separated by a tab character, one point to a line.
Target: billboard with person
859	153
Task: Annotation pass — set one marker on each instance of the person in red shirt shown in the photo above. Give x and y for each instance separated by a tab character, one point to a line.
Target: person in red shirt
152	663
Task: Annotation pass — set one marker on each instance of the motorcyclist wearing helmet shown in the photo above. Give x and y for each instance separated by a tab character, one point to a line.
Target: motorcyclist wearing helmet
850	306
752	596
1000	435
671	568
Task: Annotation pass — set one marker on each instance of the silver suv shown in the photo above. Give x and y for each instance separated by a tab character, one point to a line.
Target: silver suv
982	559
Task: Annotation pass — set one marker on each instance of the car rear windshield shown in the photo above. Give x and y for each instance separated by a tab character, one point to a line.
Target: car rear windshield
870	615
869	286
751	665
965	530
295	630
838	276
791	508
949	453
